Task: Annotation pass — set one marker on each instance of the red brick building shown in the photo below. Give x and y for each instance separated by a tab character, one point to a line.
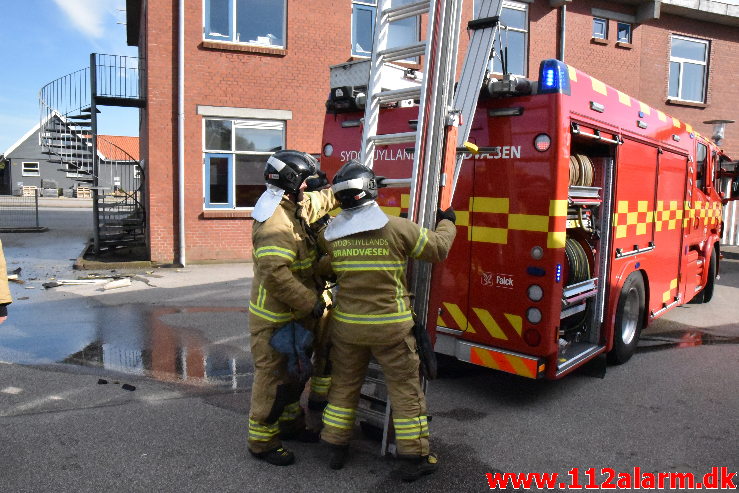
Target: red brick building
255	78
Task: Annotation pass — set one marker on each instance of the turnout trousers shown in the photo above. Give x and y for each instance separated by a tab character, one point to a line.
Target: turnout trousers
400	364
275	399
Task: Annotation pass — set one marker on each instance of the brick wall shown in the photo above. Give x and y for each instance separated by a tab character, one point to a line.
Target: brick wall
318	35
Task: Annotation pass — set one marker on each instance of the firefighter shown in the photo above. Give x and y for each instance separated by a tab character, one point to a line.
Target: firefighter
372	315
284	294
5	298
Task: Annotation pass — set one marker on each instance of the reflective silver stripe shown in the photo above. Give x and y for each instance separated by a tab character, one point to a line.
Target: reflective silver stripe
355	183
276	163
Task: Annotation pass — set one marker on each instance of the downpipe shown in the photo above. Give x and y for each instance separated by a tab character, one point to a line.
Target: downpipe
181	133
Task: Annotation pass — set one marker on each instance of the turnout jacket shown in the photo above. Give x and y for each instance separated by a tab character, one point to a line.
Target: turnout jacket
5	297
284	287
372	305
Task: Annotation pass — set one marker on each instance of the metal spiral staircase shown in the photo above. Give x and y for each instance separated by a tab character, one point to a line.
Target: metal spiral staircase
69	136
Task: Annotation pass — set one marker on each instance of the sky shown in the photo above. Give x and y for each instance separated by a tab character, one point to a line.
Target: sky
42	40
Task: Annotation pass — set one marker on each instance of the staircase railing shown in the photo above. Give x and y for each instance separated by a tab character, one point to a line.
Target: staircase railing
68	134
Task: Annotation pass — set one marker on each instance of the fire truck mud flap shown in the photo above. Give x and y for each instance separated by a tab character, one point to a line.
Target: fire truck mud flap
497	359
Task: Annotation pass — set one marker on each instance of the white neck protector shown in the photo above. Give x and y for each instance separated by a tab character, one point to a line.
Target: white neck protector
367	217
267	203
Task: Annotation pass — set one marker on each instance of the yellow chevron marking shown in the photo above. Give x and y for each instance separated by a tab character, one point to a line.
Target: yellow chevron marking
493	205
688	128
463	218
599	86
645	108
515	321
391	211
558	208
459	317
528	222
486	359
405	200
623	98
673	284
556	239
675	122
572	72
490	324
440	321
662	117
519	366
488	235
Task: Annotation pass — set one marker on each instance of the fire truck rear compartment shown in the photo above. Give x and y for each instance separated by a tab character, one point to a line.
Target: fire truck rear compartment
586	247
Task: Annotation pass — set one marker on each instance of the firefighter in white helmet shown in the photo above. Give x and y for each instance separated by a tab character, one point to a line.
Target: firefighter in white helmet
372	315
284	295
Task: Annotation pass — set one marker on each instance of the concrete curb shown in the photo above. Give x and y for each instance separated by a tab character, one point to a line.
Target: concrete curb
84	264
40	229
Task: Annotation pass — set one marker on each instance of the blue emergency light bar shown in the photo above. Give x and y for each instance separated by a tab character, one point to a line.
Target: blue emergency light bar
554	77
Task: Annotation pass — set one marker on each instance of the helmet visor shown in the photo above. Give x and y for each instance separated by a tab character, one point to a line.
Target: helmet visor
353	184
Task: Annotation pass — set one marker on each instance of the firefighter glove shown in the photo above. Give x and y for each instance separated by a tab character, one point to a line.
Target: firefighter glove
318	308
317	182
447	214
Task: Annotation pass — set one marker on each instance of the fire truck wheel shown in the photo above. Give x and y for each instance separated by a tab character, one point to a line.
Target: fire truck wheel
712	267
629	319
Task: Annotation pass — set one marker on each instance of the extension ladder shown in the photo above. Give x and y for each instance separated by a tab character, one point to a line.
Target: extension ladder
444	121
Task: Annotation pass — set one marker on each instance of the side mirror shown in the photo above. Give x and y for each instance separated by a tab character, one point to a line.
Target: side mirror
728	175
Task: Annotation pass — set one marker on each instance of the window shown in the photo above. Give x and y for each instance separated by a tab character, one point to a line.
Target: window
235	152
402	33
701	159
688	60
30	169
514	35
623	32
600	28
255	22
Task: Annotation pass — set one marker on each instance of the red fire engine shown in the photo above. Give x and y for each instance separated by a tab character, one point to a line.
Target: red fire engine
585	215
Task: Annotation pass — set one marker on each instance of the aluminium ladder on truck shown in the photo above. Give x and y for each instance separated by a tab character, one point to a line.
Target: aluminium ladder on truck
444	121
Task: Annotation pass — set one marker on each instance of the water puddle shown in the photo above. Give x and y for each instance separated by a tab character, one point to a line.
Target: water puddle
164	343
682	339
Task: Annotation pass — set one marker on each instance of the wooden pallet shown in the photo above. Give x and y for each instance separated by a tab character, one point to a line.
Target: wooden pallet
29	191
83	193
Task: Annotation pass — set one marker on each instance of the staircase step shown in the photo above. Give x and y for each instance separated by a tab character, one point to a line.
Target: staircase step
405	11
403	52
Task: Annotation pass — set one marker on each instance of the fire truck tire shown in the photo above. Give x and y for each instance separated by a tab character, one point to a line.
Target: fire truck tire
629	319
710	282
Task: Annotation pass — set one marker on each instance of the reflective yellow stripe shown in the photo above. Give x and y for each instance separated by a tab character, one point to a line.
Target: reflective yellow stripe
352	318
423	238
261	296
306	263
268	315
320	385
400	292
291	412
411	428
262	433
339	417
274	250
359	265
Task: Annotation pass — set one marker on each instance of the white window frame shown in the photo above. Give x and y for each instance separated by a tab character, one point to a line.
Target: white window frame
682	62
373	4
631	32
593	33
234	33
25	172
514	6
233	153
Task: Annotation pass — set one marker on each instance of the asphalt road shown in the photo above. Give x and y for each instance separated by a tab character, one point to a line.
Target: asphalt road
177	340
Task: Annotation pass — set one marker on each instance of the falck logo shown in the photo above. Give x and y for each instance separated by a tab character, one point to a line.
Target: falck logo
487	279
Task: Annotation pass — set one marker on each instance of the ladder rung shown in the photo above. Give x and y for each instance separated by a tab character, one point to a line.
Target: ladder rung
399	138
397	182
403	52
405	11
399	94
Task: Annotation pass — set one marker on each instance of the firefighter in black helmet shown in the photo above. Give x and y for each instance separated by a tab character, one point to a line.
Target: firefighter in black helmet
284	294
372	315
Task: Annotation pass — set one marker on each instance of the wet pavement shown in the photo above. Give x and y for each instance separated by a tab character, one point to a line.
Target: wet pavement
147	388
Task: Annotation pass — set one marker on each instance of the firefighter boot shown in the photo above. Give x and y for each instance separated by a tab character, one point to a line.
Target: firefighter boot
339	454
278	457
414	468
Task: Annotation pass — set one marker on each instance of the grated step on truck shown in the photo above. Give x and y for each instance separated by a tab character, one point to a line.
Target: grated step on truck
583	215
